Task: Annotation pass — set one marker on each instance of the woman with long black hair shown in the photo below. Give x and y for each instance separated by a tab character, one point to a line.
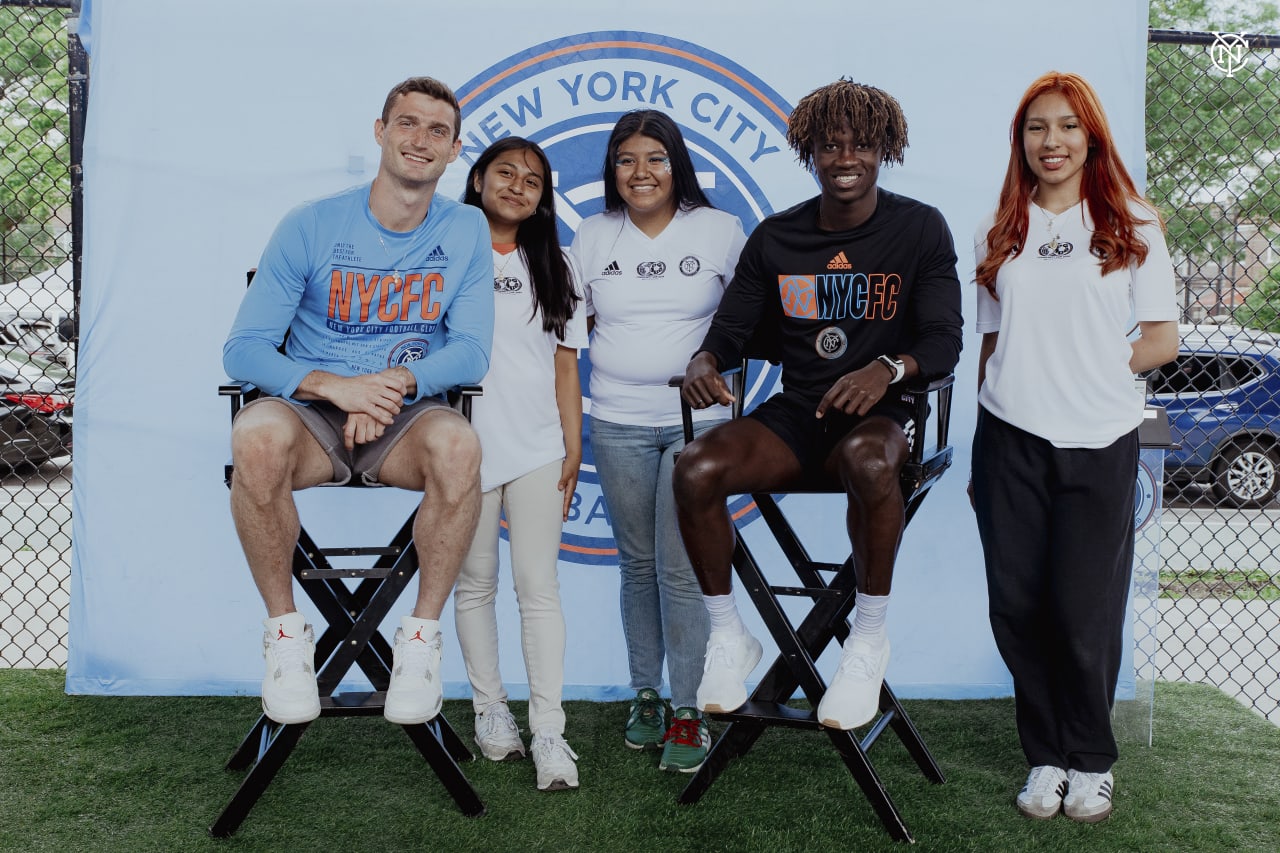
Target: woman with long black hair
529	420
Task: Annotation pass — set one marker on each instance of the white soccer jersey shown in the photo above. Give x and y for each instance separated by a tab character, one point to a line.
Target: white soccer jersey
1061	366
516	417
653	299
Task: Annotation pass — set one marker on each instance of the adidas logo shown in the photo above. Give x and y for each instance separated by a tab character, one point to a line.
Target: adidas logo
839	262
612	269
437	254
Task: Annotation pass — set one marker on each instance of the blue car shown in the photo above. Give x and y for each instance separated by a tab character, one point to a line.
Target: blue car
1222	395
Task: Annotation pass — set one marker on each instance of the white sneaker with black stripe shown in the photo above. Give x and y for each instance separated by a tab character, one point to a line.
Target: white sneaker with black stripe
1088	797
1041	797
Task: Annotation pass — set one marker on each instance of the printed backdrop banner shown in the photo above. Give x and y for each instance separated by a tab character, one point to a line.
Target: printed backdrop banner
208	121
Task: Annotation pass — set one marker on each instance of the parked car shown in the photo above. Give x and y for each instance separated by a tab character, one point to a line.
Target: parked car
35	409
36	314
1222	395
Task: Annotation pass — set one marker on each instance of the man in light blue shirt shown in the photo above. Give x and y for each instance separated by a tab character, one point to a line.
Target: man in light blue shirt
382	296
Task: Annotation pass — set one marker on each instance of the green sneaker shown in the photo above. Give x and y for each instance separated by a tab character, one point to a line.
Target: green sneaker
648	720
686	743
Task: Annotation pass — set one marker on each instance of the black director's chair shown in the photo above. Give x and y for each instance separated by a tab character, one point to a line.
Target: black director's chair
351	637
828	619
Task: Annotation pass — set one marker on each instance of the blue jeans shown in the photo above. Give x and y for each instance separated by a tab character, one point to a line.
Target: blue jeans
663	614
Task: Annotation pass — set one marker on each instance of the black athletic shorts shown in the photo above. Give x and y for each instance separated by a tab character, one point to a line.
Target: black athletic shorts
791	417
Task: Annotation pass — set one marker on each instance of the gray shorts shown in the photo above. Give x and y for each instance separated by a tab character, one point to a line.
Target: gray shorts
325	422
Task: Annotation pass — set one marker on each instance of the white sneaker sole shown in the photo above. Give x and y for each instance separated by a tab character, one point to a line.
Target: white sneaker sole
515	754
402	718
292	718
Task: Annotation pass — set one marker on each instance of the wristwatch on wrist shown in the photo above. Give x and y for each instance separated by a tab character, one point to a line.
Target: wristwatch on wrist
896	366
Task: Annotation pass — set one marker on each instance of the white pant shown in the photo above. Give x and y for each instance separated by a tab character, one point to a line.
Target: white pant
534	519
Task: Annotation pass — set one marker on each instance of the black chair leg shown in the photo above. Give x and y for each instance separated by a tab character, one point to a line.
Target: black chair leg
431	739
855	758
280	744
734	742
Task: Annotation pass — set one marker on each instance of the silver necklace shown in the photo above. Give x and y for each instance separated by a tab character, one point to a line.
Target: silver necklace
387	252
1049	229
506	259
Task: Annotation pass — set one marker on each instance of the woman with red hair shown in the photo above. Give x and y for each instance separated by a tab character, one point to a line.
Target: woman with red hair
1073	260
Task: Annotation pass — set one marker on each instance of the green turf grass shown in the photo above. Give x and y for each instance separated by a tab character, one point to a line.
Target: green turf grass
80	773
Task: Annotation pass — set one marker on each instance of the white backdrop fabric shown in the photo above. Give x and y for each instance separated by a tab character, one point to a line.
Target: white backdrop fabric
208	121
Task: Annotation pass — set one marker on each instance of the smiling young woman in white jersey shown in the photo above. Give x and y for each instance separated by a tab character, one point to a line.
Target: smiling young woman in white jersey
655	265
529	420
1072	258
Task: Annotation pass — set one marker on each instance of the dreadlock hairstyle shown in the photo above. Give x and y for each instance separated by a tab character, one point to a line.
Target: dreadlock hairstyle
1105	186
536	239
873	114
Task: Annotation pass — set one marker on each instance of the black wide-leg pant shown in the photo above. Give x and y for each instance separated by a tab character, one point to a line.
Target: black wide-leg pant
1057	533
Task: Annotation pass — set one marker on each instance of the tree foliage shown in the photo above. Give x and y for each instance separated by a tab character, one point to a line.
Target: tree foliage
35	182
1212	138
1262	307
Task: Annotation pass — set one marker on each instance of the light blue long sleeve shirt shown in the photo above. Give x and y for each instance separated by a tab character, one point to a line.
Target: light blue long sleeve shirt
356	298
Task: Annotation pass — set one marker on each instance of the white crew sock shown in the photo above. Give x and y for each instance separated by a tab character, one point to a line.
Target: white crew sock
411	624
724	614
869	619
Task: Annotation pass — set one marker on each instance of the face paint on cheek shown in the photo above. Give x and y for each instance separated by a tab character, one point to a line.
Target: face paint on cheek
666	167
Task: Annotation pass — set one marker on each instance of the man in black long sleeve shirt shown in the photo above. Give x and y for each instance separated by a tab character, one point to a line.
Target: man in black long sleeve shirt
854	291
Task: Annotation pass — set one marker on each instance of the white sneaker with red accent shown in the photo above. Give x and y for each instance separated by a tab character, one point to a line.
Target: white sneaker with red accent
289	691
414	694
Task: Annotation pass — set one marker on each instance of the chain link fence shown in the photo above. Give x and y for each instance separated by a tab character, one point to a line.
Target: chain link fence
1213	104
37	332
1212	138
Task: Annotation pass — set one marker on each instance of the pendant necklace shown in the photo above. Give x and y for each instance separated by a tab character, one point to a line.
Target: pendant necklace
387	252
506	259
1049	220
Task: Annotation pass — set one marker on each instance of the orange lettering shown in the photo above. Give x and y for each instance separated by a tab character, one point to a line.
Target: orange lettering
409	295
430	307
875	302
340	296
892	284
366	294
384	294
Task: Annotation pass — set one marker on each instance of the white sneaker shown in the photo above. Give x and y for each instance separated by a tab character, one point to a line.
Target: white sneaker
554	761
853	697
1088	797
497	734
730	658
415	693
289	691
1041	797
